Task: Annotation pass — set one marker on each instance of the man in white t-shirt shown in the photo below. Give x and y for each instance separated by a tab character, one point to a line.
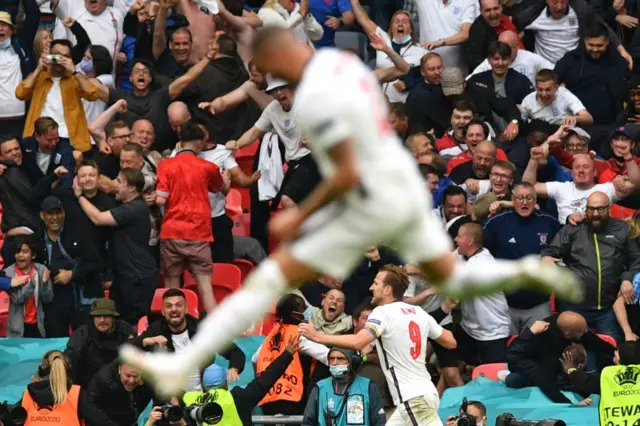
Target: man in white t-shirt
102	23
553	103
401	331
444	27
484	327
571	197
302	173
525	62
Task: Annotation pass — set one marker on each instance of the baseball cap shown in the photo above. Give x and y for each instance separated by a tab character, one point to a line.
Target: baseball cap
274	83
350	354
628	130
581	133
452	81
51	204
214	376
6	18
103	307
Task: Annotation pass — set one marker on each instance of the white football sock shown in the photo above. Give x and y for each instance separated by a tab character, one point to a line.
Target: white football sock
481	278
260	290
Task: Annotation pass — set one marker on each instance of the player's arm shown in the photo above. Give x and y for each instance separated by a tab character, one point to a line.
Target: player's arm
356	342
342	181
446	340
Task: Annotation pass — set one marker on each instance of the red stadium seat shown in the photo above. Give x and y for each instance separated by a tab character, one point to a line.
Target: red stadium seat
488	371
4	303
4	319
511	339
234	203
225	280
188	280
245	267
242	225
143	324
609	340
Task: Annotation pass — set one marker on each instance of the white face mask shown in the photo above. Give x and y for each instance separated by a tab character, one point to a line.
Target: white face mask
6	43
406	39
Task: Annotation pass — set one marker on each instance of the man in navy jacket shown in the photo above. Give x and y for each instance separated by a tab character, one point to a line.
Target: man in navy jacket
45	151
517	233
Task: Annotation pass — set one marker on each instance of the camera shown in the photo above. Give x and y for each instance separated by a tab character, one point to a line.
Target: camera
465	419
171	413
12	414
53	59
507	419
210	413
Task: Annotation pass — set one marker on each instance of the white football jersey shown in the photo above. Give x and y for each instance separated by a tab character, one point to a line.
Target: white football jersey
339	98
402	331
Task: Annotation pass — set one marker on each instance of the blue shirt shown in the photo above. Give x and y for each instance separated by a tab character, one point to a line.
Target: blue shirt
508	235
320	9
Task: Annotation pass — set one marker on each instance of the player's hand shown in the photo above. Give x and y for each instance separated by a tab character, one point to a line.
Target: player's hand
309	331
285	225
626	291
232	375
377	42
585	402
539	327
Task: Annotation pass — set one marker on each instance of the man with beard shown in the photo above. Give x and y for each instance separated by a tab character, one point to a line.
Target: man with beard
402	331
145	103
514	234
616	263
302	175
474	132
171	59
482	160
425	102
95	345
173	333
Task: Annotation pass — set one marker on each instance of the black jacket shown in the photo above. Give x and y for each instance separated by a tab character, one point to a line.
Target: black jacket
20	207
109	401
160	328
481	35
427	108
615	258
601	84
22	41
88	350
538	356
61	156
516	86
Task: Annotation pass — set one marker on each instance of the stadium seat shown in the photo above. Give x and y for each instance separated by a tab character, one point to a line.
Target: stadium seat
245	267
4	303
511	339
143	324
242	225
353	41
234	203
609	339
4	319
226	275
188	280
489	371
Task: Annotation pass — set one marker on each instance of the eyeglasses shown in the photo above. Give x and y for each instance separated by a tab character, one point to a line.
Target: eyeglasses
600	210
575	146
127	136
142	71
522	198
501	176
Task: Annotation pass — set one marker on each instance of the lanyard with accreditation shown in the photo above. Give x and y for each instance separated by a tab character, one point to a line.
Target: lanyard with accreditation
620	396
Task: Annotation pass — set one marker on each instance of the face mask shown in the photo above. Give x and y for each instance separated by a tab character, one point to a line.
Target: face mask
86	66
5	44
339	371
404	40
308	314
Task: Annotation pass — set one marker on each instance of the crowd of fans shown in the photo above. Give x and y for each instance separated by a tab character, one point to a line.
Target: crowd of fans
119	122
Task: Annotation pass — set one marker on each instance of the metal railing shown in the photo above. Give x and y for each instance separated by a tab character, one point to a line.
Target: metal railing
276	420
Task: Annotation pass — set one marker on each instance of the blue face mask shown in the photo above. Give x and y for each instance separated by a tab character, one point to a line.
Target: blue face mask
339	371
5	44
406	39
308	314
86	66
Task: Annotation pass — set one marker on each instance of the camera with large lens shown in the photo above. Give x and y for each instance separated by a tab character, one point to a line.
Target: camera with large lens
171	413
210	413
464	419
13	415
507	419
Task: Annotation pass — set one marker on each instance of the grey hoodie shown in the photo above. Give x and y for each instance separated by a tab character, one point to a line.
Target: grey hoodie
43	293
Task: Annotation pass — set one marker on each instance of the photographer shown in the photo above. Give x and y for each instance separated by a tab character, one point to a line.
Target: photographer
473	411
158	416
345	398
236	404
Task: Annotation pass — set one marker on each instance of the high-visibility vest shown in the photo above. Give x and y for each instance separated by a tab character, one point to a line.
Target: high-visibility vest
64	414
289	386
222	397
620	396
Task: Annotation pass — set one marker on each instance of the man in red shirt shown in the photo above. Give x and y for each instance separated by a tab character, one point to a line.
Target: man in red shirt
184	183
623	141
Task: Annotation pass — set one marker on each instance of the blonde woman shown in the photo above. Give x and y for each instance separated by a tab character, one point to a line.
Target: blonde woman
289	14
43	39
51	394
